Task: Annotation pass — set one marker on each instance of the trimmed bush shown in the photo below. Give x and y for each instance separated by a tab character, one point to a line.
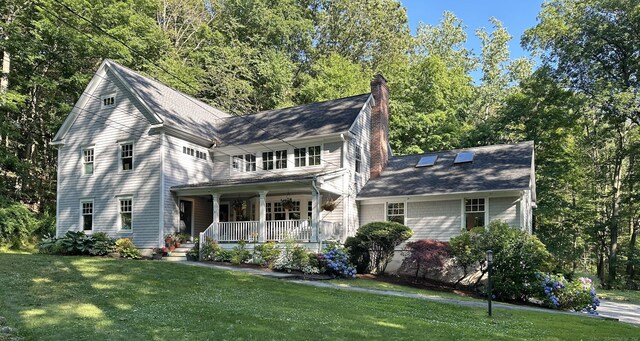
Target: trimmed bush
336	258
518	257
426	254
373	245
240	254
126	249
210	250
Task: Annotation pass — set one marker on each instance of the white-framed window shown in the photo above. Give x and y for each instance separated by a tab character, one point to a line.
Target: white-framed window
300	157
275	211
87	161
395	212
86	221
281	159
125	209
358	159
474	212
126	156
109	100
314	155
309	210
267	160
244	163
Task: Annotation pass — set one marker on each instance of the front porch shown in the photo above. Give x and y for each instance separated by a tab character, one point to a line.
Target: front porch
277	210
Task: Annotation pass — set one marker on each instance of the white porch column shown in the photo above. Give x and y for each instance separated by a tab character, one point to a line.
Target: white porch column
315	215
216	213
262	232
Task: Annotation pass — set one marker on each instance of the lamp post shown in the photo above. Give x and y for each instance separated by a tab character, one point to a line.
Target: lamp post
489	263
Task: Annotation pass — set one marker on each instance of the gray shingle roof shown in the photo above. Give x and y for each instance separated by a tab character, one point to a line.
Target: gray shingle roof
174	107
312	119
498	167
275	178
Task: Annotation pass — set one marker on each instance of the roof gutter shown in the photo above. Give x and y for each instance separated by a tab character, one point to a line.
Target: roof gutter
476	193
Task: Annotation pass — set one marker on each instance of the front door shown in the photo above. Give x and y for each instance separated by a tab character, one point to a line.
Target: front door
224	213
186	210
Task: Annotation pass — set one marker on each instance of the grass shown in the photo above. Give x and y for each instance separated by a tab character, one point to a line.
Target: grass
62	298
627	296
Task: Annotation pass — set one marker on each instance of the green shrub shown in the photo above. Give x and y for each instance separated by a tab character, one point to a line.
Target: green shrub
126	249
557	292
266	254
17	223
102	244
223	255
292	257
49	245
210	250
240	254
373	245
195	250
75	243
518	257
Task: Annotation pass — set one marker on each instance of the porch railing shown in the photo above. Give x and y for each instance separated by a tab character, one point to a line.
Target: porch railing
279	230
238	230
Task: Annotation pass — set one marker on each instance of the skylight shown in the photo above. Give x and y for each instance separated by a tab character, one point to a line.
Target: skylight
464	157
427	161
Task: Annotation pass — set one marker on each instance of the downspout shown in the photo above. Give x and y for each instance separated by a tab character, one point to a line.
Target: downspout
317	227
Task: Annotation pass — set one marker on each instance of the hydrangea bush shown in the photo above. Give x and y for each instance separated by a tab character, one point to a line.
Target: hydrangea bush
337	261
559	293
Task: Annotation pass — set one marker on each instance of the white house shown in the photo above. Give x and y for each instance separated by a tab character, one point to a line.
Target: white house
138	159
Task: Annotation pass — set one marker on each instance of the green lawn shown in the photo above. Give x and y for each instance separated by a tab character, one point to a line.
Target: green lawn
63	298
628	296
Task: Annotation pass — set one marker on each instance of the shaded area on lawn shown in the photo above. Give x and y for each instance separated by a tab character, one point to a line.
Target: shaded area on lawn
54	298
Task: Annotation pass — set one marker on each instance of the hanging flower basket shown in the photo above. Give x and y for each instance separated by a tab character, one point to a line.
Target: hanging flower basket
287	204
329	205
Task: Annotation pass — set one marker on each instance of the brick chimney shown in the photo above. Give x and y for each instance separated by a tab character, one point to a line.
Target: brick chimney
379	152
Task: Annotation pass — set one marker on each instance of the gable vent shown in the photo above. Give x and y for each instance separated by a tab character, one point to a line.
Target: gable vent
427	161
464	157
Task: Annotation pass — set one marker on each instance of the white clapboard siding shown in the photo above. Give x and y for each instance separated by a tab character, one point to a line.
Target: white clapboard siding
506	209
438	220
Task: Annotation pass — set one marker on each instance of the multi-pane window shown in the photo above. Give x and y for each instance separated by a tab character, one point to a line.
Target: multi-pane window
474	210
244	163
278	211
395	212
314	155
125	209
300	157
294	212
267	160
87	161
193	152
310	210
358	159
87	215
126	156
281	159
268	210
108	101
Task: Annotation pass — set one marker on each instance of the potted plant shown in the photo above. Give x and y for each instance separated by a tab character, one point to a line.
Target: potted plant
329	205
168	240
287	204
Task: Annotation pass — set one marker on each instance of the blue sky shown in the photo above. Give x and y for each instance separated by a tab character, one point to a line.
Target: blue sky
516	16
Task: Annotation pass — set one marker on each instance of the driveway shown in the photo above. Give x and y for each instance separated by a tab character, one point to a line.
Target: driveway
625	312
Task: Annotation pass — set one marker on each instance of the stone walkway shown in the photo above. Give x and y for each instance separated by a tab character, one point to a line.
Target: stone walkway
624	312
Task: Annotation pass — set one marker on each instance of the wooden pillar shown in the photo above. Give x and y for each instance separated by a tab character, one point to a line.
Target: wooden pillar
262	233
216	214
315	215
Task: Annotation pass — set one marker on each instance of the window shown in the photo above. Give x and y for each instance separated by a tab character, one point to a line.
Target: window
474	213
395	212
108	101
314	156
126	213
310	210
427	161
268	211
267	160
358	159
87	160
87	215
281	159
193	152
279	213
126	156
464	157
300	157
244	163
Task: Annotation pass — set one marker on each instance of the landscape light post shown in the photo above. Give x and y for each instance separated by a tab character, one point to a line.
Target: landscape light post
489	263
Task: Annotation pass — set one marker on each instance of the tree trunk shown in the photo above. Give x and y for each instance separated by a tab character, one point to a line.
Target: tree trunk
6	66
631	271
614	222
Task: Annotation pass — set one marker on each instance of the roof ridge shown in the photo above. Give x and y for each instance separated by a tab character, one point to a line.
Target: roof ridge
492	146
305	104
192	98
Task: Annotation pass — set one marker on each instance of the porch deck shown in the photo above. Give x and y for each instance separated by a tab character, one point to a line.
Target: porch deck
270	230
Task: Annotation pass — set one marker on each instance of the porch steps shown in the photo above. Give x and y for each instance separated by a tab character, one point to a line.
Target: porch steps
179	254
